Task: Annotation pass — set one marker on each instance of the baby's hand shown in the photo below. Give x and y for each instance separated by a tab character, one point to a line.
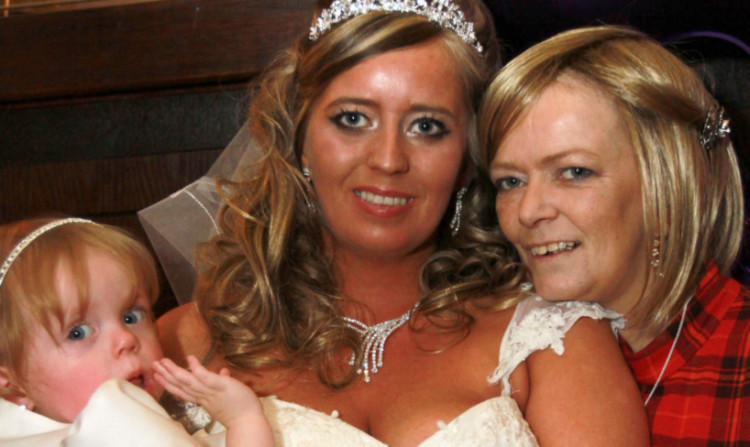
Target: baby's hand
227	399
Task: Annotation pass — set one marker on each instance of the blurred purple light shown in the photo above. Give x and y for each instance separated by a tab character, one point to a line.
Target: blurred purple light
712	34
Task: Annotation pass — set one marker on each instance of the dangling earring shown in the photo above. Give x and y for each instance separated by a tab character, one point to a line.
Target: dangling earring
656	256
306	174
456	221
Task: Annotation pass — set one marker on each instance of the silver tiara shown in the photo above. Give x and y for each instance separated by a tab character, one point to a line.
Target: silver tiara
443	12
715	128
30	238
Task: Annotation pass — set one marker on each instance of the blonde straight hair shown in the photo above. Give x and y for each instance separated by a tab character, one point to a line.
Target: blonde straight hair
692	196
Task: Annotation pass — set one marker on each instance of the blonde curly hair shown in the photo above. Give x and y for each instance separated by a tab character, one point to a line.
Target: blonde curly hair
266	293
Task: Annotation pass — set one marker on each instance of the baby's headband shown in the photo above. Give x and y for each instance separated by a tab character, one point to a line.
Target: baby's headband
30	238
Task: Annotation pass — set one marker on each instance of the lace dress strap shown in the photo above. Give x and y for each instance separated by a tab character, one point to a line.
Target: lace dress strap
538	324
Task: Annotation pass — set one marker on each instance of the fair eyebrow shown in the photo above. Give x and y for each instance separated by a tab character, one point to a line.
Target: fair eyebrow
548	160
70	316
76	312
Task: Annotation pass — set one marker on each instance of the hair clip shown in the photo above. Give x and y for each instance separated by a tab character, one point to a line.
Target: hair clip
715	128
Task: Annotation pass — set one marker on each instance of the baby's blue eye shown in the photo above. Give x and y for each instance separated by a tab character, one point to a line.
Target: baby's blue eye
133	316
80	332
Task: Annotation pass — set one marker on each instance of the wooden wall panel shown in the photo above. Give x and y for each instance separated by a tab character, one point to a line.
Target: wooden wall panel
98	187
139	124
106	111
107	190
143	46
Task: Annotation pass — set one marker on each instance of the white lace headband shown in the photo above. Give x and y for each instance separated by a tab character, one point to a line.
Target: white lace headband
443	12
30	238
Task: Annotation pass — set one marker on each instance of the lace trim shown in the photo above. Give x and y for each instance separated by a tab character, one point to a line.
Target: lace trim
538	324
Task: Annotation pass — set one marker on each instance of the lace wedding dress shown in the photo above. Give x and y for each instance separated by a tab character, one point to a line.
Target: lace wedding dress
120	414
536	325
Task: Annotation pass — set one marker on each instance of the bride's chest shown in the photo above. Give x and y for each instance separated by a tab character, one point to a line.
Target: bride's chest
411	397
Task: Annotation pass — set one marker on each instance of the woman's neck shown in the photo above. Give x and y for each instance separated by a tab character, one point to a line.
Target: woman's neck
637	338
387	287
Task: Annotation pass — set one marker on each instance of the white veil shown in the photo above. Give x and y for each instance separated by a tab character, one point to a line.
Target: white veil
176	224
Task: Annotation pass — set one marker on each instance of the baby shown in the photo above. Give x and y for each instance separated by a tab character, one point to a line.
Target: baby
75	313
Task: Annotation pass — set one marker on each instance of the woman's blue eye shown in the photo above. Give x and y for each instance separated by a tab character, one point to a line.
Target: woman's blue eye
80	332
507	183
429	127
133	316
576	173
349	120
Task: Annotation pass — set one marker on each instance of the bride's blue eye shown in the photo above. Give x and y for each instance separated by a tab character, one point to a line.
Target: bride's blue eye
133	316
80	332
350	120
429	127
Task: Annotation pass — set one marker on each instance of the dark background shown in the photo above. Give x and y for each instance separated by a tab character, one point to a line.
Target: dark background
523	22
106	111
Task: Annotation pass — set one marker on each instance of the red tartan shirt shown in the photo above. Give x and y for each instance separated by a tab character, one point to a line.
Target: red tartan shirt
703	398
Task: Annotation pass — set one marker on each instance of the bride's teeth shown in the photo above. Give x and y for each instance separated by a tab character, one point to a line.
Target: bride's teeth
380	200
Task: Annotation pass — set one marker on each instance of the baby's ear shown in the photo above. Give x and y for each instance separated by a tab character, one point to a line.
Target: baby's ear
12	391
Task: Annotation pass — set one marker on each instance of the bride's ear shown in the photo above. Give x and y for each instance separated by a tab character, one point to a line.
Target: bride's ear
12	391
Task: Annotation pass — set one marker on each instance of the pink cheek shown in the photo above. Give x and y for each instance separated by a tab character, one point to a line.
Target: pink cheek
503	221
156	352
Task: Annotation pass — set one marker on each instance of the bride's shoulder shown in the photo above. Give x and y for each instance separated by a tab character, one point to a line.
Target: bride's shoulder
182	331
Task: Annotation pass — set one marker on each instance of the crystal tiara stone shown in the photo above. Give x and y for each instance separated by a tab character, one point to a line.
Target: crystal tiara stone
443	12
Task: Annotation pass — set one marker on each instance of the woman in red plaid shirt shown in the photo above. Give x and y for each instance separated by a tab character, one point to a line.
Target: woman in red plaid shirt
617	183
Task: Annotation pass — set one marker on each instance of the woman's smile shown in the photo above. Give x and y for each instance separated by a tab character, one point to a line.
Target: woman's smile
384	147
553	248
382	199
